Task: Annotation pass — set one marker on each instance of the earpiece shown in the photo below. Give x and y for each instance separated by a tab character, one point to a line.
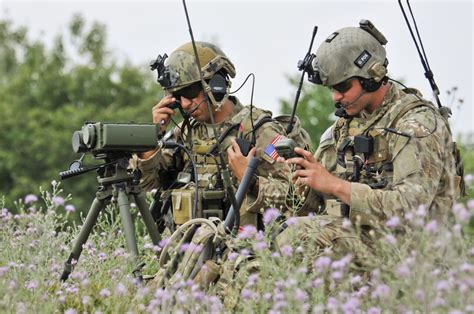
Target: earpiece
218	85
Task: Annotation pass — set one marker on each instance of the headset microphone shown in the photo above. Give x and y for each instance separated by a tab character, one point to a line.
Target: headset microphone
190	112
341	111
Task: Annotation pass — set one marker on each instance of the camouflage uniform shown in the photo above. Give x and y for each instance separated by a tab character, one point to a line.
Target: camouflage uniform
403	172
272	181
412	162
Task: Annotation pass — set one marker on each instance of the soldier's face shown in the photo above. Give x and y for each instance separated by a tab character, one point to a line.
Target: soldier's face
197	107
351	96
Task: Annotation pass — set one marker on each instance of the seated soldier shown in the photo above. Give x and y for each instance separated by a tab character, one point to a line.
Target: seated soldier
170	171
391	151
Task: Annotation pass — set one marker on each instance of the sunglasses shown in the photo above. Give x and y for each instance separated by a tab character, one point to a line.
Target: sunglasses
343	86
189	92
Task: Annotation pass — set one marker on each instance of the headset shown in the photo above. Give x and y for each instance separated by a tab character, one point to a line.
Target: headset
219	85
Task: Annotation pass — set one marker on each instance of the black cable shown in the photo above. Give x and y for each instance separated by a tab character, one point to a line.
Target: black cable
254	139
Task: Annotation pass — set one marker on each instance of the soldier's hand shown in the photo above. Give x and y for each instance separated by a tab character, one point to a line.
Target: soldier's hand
238	162
314	175
161	113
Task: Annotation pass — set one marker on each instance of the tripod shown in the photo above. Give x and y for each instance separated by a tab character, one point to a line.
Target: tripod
116	184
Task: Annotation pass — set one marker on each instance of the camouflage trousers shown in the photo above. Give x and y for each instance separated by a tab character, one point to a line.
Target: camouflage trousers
330	236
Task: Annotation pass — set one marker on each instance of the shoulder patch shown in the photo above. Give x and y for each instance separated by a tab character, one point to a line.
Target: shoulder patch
327	135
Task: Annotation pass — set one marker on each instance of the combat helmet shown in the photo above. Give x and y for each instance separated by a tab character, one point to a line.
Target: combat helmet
351	52
180	70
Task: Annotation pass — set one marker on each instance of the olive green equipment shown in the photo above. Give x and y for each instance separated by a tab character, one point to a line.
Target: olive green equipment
114	143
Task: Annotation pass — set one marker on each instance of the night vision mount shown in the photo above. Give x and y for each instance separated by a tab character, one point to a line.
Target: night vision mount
166	77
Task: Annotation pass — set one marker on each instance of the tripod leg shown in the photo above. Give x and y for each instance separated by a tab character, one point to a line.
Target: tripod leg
96	207
128	228
147	218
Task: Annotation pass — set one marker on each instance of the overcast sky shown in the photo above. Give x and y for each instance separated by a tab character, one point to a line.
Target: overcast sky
267	38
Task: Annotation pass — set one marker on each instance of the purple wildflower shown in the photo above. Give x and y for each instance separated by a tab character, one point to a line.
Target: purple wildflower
58	201
431	226
120	289
199	296
381	291
468	178
277	255
420	294
470	204
393	222
461	212
337	275
233	256
351	306
403	271
342	263
316	283
333	304
390	238
70	311
102	256
70	208
286	250
104	293
421	211
184	247
374	310
31	198
246	294
165	242
346	223
292	221
32	285
259	246
252	279
300	295
245	253
322	263
247	232
467	268
270	215
442	285
356	279
3	270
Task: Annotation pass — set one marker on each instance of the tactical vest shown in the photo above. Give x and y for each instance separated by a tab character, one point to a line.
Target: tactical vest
362	148
212	198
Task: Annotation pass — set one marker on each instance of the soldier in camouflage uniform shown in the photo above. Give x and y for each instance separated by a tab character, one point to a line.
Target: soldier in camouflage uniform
390	151
180	78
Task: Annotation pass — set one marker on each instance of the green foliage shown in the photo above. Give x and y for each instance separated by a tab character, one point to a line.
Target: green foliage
315	108
47	94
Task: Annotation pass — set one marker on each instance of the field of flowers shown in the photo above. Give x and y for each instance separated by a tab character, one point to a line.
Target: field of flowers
426	268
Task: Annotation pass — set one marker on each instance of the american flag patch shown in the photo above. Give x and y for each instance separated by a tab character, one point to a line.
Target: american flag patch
270	150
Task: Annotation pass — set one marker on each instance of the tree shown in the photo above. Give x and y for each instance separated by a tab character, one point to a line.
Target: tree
315	109
47	94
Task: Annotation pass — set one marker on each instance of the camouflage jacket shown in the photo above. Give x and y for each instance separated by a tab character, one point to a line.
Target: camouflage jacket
412	164
272	181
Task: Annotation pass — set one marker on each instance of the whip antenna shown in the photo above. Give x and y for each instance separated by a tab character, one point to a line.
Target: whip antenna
424	60
223	165
304	66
